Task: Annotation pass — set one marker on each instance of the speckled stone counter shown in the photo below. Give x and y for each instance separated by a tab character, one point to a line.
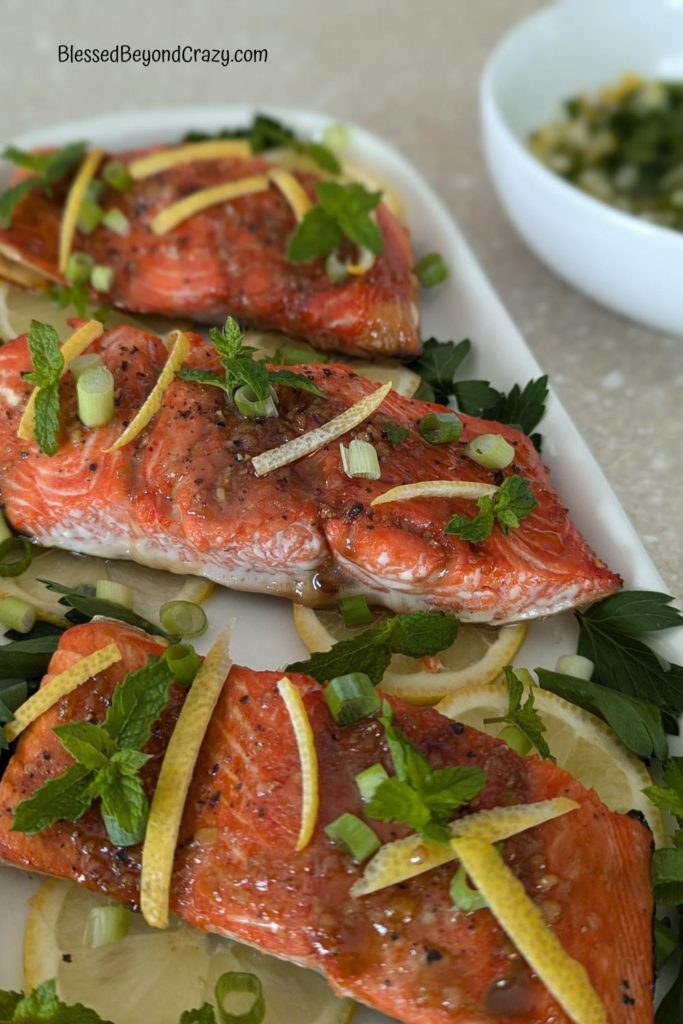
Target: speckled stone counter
410	73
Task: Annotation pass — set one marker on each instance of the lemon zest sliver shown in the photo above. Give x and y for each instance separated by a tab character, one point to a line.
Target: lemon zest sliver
59	686
152	403
293	192
212	149
521	920
72	347
436	489
176	213
74	201
305	741
314	439
405	858
169	798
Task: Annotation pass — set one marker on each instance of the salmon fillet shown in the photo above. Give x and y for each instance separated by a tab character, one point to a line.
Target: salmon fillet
404	950
183	497
230	259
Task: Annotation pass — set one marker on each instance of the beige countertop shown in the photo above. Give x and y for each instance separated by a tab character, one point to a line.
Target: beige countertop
410	73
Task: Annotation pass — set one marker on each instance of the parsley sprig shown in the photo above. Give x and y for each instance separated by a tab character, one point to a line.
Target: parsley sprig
419	795
342	211
523	715
48	363
370	651
108	759
47	168
241	368
512	502
266	133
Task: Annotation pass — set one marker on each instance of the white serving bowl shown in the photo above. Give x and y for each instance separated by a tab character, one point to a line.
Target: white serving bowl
634	267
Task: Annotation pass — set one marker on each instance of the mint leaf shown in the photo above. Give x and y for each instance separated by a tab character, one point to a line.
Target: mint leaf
289	379
48	168
394	433
46	357
370	651
523	408
350	207
394	800
523	716
445	789
638	724
317	235
46	423
437	365
204	1015
88	744
8	1004
125	807
209	377
512	502
64	798
11	197
473	530
137	704
43	1006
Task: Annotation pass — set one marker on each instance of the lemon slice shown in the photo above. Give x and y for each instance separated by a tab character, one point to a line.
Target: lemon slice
153	976
581	744
405	858
168	802
150	588
519	917
310	796
478	655
18	306
403	380
61	684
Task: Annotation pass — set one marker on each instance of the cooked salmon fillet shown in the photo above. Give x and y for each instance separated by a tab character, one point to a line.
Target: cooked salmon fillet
405	950
183	496
230	259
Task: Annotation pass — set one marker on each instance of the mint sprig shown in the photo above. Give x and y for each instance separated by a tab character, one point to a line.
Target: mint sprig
419	795
107	763
343	211
523	715
415	635
512	502
241	368
47	365
48	168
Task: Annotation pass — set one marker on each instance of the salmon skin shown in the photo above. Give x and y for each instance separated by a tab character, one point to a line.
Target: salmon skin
404	950
230	259
184	497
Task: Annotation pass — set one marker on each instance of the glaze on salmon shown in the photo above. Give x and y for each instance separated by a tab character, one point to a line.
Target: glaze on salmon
184	497
405	950
230	259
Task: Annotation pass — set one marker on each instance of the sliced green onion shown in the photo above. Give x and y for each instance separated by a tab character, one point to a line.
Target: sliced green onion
106	925
115	173
80	364
95	190
336	137
575	665
17	614
355	611
116	221
101	278
525	677
183	662
431	270
95	393
254	408
491	451
515	739
240	982
78	268
463	895
360	460
89	216
5	532
369	780
110	590
15	556
183	618
296	356
337	270
354	835
351	698
440	427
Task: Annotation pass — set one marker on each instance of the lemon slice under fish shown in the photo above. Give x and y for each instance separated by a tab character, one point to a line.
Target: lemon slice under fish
152	975
581	743
478	655
150	588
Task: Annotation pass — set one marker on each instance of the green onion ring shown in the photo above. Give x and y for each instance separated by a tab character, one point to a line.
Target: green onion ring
15	556
240	981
